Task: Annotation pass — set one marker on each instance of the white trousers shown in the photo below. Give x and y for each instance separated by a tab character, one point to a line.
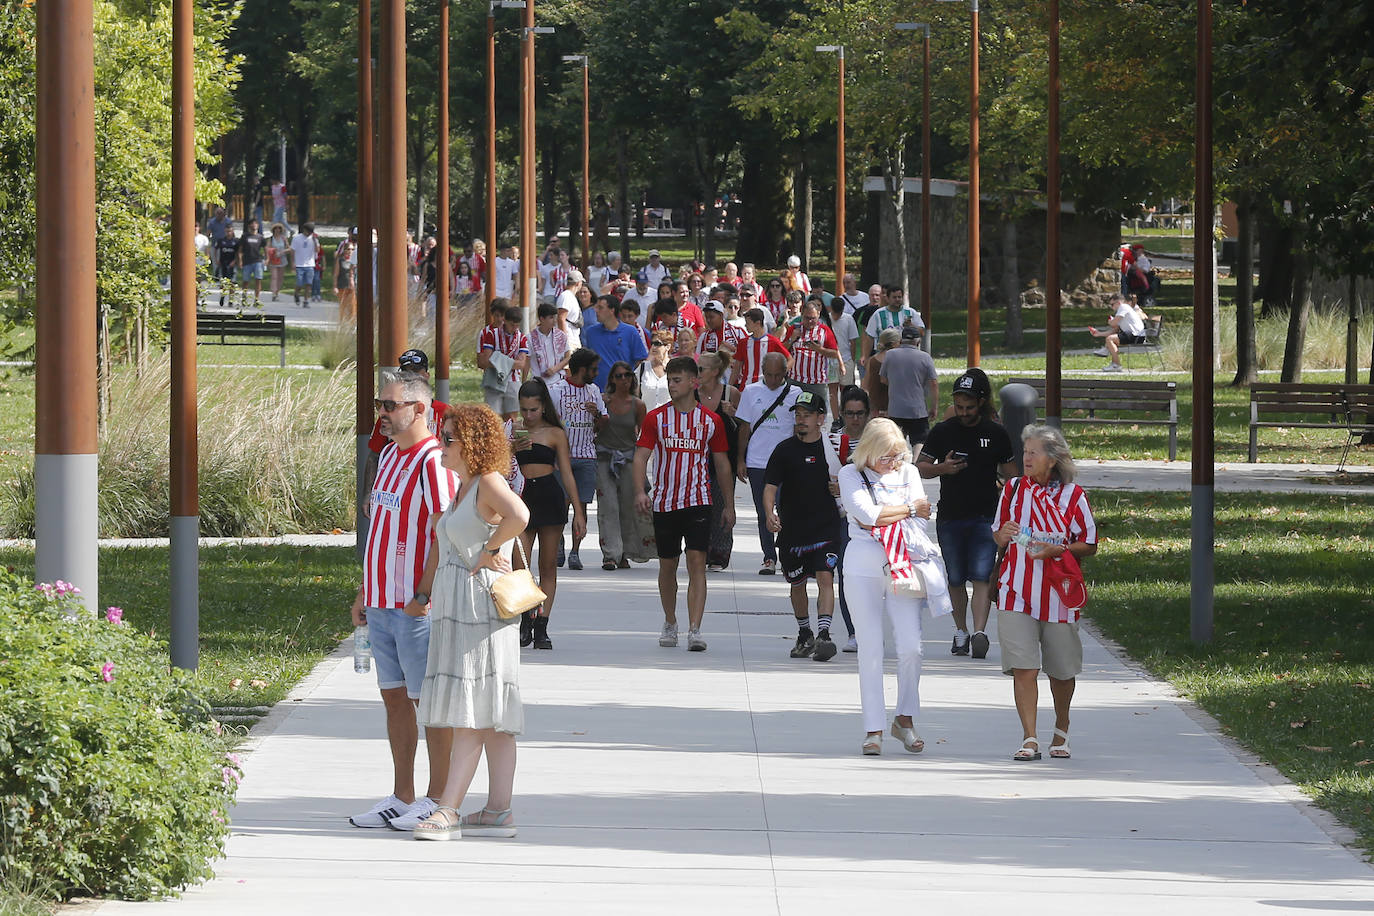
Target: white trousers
868	597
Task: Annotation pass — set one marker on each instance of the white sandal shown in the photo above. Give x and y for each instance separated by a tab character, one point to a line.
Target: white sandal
1061	751
1026	753
873	745
907	735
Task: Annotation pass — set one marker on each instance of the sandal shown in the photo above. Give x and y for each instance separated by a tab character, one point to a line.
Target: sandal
873	745
476	824
443	824
1060	751
1025	752
608	565
907	735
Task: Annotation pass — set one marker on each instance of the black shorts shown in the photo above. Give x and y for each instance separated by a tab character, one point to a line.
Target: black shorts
690	526
547	502
915	430
1127	340
802	561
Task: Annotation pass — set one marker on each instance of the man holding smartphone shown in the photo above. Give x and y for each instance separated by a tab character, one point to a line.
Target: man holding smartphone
968	451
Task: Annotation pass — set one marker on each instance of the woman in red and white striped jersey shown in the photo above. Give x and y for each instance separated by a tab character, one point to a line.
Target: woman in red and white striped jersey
1046	525
813	346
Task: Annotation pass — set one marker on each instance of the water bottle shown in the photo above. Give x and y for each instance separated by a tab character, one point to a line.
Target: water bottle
362	650
1023	538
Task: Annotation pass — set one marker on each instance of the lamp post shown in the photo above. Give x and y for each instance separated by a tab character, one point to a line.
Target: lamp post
974	255
924	28
441	257
586	157
529	270
1053	363
363	286
838	50
1203	569
393	292
489	287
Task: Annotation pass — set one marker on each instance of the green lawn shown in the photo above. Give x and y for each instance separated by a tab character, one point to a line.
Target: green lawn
1290	672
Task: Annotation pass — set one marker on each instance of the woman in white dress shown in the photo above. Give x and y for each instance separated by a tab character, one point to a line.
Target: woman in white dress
472	682
653	372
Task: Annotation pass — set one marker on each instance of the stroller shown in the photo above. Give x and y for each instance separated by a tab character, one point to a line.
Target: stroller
1144	285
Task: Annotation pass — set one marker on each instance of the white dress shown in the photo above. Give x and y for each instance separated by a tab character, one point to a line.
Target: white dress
472	676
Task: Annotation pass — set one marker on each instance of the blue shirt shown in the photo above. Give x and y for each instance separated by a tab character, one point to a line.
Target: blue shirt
624	344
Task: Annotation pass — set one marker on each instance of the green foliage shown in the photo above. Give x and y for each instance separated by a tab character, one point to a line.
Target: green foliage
115	779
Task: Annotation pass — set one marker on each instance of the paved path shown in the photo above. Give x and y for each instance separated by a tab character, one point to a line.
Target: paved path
653	780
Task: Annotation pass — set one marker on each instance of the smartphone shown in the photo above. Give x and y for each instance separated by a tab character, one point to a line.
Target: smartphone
962	456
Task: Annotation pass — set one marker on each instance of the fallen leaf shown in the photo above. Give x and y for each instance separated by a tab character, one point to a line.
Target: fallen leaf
236	683
1363	763
1320	750
257	684
1272	704
1302	724
1359	743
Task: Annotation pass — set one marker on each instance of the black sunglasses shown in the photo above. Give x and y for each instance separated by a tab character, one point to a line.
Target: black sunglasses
389	405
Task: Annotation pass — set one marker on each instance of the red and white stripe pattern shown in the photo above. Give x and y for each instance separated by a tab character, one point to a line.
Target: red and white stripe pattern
712	341
809	366
410	487
750	353
510	344
682	443
1054	514
580	423
893	541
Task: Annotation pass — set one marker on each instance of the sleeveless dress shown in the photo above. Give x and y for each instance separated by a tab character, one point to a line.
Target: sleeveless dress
472	677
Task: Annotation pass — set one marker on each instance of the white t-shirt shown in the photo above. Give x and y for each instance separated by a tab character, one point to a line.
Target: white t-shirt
598	277
765	436
646	302
653	391
303	250
656	275
846	332
1142	261
1131	322
567	302
854	301
507	275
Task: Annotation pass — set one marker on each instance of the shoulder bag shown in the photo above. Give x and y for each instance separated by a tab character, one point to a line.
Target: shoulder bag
515	592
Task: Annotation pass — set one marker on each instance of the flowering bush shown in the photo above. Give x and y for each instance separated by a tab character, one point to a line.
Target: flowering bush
112	778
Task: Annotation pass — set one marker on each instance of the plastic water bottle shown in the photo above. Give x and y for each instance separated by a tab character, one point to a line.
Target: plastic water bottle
362	650
1023	538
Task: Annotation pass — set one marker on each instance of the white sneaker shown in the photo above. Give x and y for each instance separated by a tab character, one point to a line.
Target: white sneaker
668	638
1112	367
1101	351
851	646
380	814
694	641
422	808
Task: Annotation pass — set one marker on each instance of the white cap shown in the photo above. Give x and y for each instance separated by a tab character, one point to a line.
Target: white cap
575	276
794	261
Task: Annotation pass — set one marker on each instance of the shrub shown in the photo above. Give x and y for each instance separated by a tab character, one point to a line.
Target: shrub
276	457
1324	344
114	780
339	347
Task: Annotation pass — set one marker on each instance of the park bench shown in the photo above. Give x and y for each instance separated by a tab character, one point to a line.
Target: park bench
1150	346
1147	403
1320	405
254	330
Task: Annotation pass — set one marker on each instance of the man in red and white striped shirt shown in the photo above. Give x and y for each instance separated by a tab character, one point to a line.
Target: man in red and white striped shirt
813	346
504	338
718	336
582	409
411	487
687	443
750	351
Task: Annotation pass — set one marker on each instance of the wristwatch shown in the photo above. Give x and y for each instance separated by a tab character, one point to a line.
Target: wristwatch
494	551
421	597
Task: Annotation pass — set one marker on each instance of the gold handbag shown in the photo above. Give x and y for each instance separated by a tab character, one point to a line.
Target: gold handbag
515	592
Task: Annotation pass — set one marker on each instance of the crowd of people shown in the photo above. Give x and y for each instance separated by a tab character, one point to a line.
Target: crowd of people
652	407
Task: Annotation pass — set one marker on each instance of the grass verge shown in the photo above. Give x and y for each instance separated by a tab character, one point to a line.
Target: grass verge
1290	672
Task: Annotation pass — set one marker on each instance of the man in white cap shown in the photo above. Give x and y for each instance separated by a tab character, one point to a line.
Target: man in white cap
570	309
655	272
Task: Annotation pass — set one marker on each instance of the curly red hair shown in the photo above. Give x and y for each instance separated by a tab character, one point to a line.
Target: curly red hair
481	436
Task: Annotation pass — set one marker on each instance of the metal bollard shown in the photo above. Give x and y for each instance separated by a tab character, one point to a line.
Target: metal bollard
1017	412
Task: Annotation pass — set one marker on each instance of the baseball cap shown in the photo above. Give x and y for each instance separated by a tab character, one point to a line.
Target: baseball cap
653	252
575	276
911	332
973	385
414	359
808	401
713	306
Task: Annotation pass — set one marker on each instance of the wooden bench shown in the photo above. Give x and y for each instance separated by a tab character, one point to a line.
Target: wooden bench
1320	405
1156	401
256	330
1153	327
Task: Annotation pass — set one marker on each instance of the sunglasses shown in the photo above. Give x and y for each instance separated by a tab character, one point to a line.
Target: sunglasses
445	438
660	343
621	375
388	406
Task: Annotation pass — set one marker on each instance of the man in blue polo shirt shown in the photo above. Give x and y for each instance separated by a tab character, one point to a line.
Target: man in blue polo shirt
613	340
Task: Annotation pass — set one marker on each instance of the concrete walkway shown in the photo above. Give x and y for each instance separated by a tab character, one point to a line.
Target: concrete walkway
653	780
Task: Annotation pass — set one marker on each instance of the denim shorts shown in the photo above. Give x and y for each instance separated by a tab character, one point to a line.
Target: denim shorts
251	271
584	474
967	547
400	648
305	276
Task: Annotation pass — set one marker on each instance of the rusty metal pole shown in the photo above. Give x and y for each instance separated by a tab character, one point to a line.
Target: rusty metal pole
65	395
926	317
1203	563
441	258
1053	362
489	287
974	233
393	295
529	260
586	166
184	445
839	184
363	287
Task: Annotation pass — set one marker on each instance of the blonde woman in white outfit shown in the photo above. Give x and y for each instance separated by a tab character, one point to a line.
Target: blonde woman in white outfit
883	496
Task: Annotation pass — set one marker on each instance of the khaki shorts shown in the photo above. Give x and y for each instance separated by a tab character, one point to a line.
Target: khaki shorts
1028	643
503	402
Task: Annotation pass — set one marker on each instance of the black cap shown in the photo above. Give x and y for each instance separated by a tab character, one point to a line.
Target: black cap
414	359
911	332
974	385
808	401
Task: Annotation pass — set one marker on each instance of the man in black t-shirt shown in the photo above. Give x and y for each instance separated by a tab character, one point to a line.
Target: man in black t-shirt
227	257
807	523
967	452
250	259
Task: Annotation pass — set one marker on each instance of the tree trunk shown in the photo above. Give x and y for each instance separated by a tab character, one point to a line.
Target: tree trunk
766	209
548	180
1276	267
622	177
1011	285
871	244
572	188
1247	368
1298	314
893	180
804	211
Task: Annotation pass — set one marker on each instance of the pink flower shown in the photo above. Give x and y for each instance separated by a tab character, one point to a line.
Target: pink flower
231	777
65	588
107	672
234	760
114	614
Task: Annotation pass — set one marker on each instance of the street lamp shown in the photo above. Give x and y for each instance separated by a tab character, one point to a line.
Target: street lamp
441	257
1053	362
529	269
974	279
839	169
489	286
924	28
586	157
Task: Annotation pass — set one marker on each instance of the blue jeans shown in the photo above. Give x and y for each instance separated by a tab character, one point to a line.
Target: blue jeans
305	278
756	484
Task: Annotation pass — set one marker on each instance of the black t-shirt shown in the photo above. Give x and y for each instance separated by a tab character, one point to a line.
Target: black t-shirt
250	243
805	505
971	493
228	250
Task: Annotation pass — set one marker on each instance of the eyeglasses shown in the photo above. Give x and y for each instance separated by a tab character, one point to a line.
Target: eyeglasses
856	414
622	375
388	406
888	459
445	438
